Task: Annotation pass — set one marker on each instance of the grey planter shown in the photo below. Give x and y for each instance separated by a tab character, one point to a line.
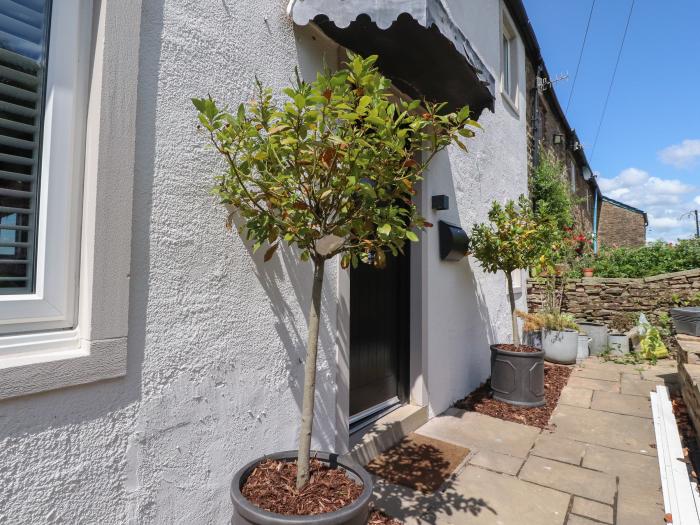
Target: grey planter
598	333
245	513
619	344
517	377
560	347
534	339
686	320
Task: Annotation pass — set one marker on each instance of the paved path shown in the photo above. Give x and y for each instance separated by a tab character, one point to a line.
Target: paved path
597	465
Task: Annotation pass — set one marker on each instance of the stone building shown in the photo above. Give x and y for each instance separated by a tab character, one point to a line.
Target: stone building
621	225
549	128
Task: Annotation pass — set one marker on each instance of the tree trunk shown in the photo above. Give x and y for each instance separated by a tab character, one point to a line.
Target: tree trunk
307	410
513	317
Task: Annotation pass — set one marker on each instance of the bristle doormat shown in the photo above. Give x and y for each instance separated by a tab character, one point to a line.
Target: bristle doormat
418	462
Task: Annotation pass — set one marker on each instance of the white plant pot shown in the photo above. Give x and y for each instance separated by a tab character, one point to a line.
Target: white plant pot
583	348
560	347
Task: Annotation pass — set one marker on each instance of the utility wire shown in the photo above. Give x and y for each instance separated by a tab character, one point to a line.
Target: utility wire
612	80
580	56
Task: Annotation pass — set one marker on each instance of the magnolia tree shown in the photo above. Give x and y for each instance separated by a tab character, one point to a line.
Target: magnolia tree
331	171
516	238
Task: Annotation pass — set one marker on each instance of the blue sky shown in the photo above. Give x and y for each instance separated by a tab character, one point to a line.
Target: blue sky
648	150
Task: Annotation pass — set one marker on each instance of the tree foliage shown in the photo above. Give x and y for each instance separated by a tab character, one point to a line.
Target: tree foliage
550	192
516	238
333	168
330	170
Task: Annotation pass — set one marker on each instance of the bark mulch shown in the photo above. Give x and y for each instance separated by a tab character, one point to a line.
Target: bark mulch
272	486
519	348
555	378
377	517
418	462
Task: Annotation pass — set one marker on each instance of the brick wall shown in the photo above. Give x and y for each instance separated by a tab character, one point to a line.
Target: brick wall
621	227
609	300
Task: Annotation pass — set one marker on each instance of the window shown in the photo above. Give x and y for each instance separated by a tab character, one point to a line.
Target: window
509	59
43	80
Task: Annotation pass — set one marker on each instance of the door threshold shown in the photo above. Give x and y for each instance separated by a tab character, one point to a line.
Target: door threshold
384	432
370	415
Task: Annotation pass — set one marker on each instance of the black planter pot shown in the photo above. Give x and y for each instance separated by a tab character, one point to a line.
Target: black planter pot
245	513
517	377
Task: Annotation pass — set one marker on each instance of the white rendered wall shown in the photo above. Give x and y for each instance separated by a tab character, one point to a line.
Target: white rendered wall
465	309
216	337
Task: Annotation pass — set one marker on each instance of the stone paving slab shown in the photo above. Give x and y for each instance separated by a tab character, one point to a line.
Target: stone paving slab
660	376
479	432
637	387
621	404
618	431
592	509
497	462
605	374
501	499
637	508
580	520
559	449
578	397
637	470
594	384
580	481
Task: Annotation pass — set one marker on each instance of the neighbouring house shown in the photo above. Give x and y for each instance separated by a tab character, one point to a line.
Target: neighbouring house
622	225
549	128
145	351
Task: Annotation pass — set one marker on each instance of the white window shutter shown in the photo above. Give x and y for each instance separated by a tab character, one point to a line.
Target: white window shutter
23	57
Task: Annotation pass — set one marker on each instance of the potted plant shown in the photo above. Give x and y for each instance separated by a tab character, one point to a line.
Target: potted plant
588	271
515	238
559	337
330	172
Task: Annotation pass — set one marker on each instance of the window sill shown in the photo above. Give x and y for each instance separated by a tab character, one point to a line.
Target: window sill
32	363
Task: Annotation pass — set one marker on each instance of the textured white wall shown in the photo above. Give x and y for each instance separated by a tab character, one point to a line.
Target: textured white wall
216	336
467	309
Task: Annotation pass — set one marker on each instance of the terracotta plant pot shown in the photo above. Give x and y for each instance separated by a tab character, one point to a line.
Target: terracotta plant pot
588	272
517	378
245	513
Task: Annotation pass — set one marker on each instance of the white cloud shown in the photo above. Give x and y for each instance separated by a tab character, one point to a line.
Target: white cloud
681	155
664	200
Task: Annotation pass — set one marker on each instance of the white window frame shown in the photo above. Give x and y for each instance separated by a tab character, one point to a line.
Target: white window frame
52	305
92	346
510	61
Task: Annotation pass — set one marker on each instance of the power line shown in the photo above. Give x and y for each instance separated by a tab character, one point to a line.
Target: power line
612	80
580	56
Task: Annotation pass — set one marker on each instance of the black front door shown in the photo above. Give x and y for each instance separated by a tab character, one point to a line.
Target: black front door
379	335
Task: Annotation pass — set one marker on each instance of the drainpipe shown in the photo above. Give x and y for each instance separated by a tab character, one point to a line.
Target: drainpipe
537	129
595	221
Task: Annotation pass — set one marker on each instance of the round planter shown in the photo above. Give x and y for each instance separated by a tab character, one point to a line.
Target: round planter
517	377
619	344
560	347
245	513
598	334
588	272
583	348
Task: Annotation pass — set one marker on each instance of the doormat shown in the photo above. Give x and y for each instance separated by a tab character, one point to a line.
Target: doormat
418	462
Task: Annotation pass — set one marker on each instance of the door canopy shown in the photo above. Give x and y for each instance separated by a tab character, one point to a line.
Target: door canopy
420	48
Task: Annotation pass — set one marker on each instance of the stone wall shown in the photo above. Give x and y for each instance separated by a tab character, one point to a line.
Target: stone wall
611	300
621	227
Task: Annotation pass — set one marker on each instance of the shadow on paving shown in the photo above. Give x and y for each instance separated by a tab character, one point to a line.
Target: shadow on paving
416	482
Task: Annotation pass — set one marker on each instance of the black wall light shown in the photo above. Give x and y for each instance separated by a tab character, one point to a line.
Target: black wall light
440	202
454	241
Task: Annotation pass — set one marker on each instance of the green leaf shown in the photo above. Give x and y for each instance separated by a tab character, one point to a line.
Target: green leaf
384	229
411	236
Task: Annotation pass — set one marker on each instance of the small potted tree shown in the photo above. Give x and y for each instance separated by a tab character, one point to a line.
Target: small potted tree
330	172
516	238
